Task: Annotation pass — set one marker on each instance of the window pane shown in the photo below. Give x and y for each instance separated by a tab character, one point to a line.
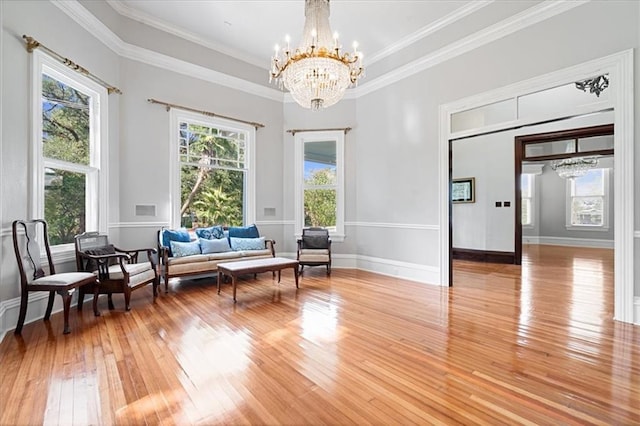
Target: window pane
592	183
486	115
64	204
526	211
549	148
320	163
200	144
525	185
320	208
65	122
595	143
587	211
211	196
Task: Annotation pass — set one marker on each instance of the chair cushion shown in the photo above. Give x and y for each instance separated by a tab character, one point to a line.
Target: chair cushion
98	251
213	232
244	232
180	249
133	269
247	243
62	279
214	246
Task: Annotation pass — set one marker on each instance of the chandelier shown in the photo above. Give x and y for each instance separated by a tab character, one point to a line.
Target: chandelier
318	72
571	168
594	85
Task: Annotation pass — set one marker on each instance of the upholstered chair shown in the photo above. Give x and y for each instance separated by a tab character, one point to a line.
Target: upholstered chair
314	248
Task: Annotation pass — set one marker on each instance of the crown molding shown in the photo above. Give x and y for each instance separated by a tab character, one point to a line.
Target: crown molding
423	32
531	16
161	25
522	20
136	53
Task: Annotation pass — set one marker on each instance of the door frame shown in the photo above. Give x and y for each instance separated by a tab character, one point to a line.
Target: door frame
619	66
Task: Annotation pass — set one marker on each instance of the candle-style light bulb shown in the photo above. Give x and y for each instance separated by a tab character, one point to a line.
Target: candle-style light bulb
314	34
287	39
335	40
355	47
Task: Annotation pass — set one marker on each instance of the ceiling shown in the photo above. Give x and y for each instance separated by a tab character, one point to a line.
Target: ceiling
249	30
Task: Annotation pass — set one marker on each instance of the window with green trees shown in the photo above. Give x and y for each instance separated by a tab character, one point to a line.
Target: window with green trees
320	181
213	173
67	156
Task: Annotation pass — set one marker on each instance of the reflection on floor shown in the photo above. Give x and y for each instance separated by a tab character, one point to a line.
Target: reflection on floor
505	345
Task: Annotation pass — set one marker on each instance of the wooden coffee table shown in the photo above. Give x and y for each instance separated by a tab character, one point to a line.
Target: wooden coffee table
242	267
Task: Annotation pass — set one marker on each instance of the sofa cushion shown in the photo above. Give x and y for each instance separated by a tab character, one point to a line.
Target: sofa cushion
214	245
180	249
244	232
210	233
180	235
196	258
239	244
91	264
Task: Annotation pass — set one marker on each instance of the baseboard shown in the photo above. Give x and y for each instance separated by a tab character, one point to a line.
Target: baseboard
570	242
484	255
10	309
636	316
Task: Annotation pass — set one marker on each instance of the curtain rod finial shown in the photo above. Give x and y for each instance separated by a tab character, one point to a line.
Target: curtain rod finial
32	43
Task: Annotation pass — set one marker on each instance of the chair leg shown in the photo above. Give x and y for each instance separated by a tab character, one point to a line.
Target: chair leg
81	291
328	269
156	284
96	292
47	313
24	301
110	301
66	303
127	298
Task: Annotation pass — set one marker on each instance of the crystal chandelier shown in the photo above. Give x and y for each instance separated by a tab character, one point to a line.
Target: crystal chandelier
318	73
571	168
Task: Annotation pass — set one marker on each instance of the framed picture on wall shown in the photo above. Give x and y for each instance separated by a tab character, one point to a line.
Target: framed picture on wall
463	190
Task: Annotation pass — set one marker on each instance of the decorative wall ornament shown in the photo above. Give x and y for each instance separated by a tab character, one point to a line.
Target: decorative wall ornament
594	85
318	73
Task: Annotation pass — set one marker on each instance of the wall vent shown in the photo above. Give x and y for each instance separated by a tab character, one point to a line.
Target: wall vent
269	211
145	210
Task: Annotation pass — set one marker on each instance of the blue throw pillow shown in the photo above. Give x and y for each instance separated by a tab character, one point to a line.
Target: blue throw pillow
184	249
210	233
247	243
244	231
180	235
214	246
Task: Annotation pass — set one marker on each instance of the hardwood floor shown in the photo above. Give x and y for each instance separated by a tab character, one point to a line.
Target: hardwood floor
501	347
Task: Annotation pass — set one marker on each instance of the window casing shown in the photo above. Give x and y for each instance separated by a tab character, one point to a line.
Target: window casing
69	171
319	180
212	168
588	201
527	182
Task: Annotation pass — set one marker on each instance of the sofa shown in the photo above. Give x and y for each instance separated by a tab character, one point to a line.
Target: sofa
183	253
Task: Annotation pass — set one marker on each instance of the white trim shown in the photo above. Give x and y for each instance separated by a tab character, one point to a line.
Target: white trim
620	68
136	53
425	31
568	242
637	309
404	270
531	16
636	234
411	226
138	225
524	19
152	21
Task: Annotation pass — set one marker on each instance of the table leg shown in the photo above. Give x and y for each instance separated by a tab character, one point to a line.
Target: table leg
233	281
219	279
295	272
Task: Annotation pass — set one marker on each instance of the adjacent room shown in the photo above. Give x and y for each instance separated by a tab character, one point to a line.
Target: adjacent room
415	212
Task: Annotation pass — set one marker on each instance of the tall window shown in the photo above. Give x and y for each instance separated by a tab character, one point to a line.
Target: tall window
319	179
588	200
69	172
526	185
215	179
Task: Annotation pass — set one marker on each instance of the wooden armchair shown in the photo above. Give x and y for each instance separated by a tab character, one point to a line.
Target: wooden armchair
314	248
34	278
118	270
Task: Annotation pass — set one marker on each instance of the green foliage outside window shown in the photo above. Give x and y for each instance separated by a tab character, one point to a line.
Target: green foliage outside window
320	203
65	137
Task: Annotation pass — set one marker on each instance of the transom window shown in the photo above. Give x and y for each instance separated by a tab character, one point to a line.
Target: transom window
69	170
588	200
214	177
